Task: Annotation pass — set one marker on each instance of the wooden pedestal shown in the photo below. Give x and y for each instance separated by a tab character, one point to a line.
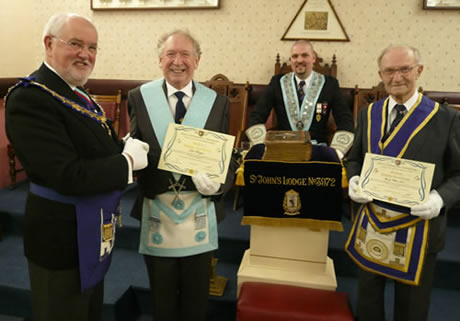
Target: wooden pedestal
288	255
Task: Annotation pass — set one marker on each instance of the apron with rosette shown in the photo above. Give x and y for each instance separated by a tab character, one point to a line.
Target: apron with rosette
170	228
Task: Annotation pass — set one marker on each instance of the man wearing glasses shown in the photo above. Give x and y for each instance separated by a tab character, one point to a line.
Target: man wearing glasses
404	125
77	169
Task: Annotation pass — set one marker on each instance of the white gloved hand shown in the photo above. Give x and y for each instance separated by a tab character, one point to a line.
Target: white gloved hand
204	185
339	153
125	138
430	209
353	192
136	150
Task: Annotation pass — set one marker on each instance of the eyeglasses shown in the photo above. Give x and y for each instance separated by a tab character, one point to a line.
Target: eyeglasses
403	71
77	45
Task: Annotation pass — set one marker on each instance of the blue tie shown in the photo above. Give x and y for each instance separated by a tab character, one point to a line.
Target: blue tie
300	92
180	107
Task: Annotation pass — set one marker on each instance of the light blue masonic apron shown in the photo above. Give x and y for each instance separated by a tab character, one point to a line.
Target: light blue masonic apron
189	229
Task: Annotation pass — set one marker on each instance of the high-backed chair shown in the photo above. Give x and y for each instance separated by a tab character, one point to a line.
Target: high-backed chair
14	170
238	96
112	106
325	69
450	98
5	145
365	96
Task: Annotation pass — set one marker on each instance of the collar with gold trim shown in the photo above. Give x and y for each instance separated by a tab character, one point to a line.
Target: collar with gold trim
98	116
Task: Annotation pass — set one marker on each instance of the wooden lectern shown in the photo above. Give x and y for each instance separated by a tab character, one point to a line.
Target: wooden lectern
287	244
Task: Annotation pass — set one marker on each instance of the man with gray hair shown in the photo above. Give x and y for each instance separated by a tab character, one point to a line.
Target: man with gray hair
394	241
178	213
77	169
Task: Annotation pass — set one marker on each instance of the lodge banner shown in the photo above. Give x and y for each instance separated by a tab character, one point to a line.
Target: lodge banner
306	194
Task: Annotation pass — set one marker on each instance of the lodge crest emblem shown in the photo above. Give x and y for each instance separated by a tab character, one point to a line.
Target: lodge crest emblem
291	203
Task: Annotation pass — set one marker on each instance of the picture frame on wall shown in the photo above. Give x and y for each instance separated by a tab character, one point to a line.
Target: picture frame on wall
153	4
316	20
441	4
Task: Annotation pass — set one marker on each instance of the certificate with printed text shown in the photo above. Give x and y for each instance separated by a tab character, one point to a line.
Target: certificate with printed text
188	151
396	180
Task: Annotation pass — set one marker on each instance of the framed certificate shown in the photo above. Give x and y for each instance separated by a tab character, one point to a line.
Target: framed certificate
188	151
441	4
153	4
316	20
396	180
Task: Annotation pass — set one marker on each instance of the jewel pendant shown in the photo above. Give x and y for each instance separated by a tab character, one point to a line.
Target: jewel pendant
178	204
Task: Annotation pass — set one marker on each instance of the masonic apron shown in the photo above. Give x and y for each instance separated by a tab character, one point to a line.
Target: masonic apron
385	239
97	215
179	223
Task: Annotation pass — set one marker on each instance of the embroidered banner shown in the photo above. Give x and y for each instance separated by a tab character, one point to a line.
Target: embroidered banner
293	193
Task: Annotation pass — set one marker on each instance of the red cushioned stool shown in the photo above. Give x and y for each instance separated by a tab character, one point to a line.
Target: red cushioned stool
279	302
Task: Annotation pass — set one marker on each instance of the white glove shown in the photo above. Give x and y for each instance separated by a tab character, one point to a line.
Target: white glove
136	150
339	153
204	185
356	196
430	209
125	138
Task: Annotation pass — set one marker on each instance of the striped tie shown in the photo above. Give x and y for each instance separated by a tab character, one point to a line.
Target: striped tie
88	103
400	112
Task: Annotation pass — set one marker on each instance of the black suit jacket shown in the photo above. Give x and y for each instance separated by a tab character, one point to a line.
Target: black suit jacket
272	97
61	149
436	143
153	181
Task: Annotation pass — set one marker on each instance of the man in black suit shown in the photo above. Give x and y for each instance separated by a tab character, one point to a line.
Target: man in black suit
77	169
178	213
393	241
304	99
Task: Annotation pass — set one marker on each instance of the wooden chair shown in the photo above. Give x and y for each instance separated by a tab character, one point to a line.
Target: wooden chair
12	163
365	96
112	106
451	99
325	69
238	96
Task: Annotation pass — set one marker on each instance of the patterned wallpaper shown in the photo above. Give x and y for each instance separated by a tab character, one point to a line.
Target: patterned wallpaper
242	38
